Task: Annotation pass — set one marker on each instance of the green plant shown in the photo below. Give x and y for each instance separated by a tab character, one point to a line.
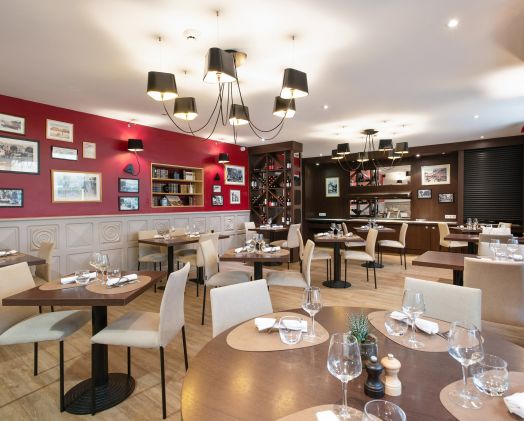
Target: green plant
359	327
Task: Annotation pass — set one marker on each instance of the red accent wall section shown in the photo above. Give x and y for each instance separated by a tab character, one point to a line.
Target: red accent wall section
110	136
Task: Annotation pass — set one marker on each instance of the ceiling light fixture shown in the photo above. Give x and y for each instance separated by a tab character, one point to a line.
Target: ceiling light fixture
453	23
325	107
476	116
223	158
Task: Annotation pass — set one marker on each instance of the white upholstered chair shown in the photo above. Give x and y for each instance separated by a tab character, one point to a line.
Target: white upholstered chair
151	330
292	239
293	278
43	272
486	238
504	225
367	256
235	304
148	253
448	302
318	254
249	229
182	250
484	250
443	230
20	325
357	240
400	245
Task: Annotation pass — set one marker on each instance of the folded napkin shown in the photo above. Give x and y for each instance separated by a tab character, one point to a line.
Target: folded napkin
380	226
271	249
322	234
7	253
71	279
365	227
265	226
326	416
122	280
515	404
264	323
426	326
240	249
158	236
194	235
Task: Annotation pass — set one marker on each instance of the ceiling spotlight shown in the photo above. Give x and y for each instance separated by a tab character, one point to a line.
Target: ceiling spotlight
482	137
317	164
325	107
476	116
321	154
453	23
262	140
417	155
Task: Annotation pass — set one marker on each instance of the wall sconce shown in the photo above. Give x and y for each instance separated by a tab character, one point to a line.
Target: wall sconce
217	177
223	158
134	145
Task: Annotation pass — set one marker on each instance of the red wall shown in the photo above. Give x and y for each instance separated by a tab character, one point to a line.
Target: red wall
111	136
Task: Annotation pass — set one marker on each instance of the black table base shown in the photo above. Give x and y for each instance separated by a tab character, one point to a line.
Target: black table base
370	265
458	278
336	284
258	270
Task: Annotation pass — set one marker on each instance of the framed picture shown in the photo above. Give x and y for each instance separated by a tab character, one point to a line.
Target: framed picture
12	124
217	200
234	197
332	187
89	150
128	185
11	198
58	130
446	198
76	186
435	174
128	203
235	175
69	154
217	188
424	194
19	155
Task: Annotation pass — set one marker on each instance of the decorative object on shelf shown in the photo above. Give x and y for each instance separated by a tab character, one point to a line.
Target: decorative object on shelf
424	194
69	154
12	124
217	188
235	175
59	130
89	150
435	174
11	198
223	158
359	328
128	185
128	203
19	155
373	386
134	145
446	198
217	200
76	186
332	187
234	197
393	386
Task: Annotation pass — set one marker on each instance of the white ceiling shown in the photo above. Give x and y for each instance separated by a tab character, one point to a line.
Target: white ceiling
392	65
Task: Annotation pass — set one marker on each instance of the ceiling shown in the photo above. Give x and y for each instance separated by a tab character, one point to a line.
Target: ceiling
392	65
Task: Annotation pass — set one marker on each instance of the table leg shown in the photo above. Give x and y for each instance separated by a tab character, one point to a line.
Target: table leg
258	270
336	282
471	248
170	265
458	278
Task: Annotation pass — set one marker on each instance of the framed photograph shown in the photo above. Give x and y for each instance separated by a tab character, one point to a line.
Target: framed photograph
58	130
89	150
69	154
217	188
217	200
76	186
19	155
424	194
446	198
235	175
128	185
234	197
332	187
435	174
11	198
128	203
12	124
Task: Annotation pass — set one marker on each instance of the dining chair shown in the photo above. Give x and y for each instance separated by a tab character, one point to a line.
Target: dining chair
504	225
249	229
235	304
148	253
353	244
483	249
367	256
318	254
400	244
292	240
443	230
212	276
43	271
486	238
143	329
182	250
21	325
448	302
293	278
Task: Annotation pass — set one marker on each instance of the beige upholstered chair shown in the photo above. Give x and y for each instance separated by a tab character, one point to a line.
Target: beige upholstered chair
151	330
149	253
212	277
20	325
504	225
443	230
318	254
235	304
448	302
182	250
484	250
354	244
292	278
486	238
368	255
292	239
400	244
43	272
249	230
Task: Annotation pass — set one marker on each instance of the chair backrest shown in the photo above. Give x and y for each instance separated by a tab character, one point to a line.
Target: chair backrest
145	249
306	261
443	230
502	285
213	237
505	225
300	245
484	250
345	228
371	241
292	237
14	279
249	230
448	302
209	256
486	238
45	252
402	236
172	306
234	304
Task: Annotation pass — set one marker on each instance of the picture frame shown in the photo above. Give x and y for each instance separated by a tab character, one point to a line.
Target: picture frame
332	187
217	188
89	150
234	197
217	200
446	198
12	124
424	194
432	175
68	154
128	185
75	186
235	175
19	155
11	198
128	203
59	130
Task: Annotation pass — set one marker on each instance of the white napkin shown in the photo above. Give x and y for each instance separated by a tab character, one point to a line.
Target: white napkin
240	249
158	236
194	235
515	404
322	234
380	226
122	280
263	323
398	315
365	227
326	416
270	249
7	253
71	279
426	326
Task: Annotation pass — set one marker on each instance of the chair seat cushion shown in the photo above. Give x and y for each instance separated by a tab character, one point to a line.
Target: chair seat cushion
221	279
391	243
321	255
153	258
457	244
39	281
287	278
190	258
357	255
184	252
279	243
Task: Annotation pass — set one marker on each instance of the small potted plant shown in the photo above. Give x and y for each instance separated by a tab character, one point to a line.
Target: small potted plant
359	328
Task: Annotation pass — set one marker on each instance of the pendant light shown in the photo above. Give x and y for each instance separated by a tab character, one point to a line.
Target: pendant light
343	149
385	145
362	157
294	84
335	155
391	155
185	108
401	148
238	115
220	66
284	108
161	86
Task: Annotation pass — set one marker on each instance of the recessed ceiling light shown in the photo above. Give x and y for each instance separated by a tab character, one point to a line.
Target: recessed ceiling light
417	155
443	153
317	164
482	137
453	23
320	154
262	140
325	107
476	116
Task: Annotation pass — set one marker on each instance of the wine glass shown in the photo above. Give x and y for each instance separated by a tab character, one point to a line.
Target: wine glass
512	247
311	304
494	246
103	264
465	345
344	362
413	306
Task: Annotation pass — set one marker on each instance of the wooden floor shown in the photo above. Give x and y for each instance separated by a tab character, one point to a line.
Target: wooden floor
25	397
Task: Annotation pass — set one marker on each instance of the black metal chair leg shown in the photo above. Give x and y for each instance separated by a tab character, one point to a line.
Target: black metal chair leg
327	270
129	361
197	282
93	390
52	309
160	266
40	309
163	381
375	275
345	270
405	265
138	265
204	305
62	406
185	346
367	272
400	254
35	359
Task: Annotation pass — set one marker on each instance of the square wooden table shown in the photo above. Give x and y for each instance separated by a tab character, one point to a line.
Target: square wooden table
258	259
13	259
444	260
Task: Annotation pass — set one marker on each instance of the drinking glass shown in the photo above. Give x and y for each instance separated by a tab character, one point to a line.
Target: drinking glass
512	247
494	246
290	329
114	273
188	231
94	260
332	227
311	304
468	224
491	375
413	306
465	345
82	277
395	327
380	409
103	265
345	364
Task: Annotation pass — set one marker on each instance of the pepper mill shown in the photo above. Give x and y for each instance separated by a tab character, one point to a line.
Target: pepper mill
373	386
391	380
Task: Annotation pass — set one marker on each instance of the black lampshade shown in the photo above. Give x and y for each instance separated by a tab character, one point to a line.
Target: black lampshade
362	157
401	148
185	108
343	149
335	155
238	115
161	86
135	145
220	66
294	84
223	158
392	155
284	108
385	145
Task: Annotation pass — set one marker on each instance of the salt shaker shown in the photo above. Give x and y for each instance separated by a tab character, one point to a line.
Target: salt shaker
391	380
373	386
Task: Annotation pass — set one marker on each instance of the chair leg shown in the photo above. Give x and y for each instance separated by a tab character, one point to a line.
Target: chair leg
287	265
129	361
154	287
154	266
35	358
405	266
163	381
52	308
138	265
204	305
185	346
197	282
367	272
327	269
93	390
400	254
375	275
40	309
345	270
160	266
62	406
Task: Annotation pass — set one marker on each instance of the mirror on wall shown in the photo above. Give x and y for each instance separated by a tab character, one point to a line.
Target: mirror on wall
380	208
381	176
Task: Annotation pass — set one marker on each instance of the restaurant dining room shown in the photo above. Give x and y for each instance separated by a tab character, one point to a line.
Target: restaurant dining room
262	210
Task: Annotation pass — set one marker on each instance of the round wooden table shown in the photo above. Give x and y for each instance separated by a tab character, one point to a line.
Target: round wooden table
258	259
225	384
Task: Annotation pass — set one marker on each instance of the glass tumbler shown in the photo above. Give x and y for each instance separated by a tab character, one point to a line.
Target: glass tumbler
395	327
491	376
290	330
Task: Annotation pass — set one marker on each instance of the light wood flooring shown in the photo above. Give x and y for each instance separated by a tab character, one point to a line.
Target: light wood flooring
25	397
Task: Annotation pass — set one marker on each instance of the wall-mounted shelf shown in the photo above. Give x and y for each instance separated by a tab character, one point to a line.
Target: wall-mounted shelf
176	186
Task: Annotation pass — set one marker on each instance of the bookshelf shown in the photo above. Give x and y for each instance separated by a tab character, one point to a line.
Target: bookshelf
176	186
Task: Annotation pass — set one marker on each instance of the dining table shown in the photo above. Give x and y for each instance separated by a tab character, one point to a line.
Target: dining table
471	239
273	233
381	230
18	257
110	388
466	230
228	384
444	260
257	258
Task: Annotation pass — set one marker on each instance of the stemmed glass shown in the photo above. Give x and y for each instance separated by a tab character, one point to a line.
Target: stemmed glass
512	247
332	227
494	246
103	265
345	364
94	261
465	345
413	306
311	304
